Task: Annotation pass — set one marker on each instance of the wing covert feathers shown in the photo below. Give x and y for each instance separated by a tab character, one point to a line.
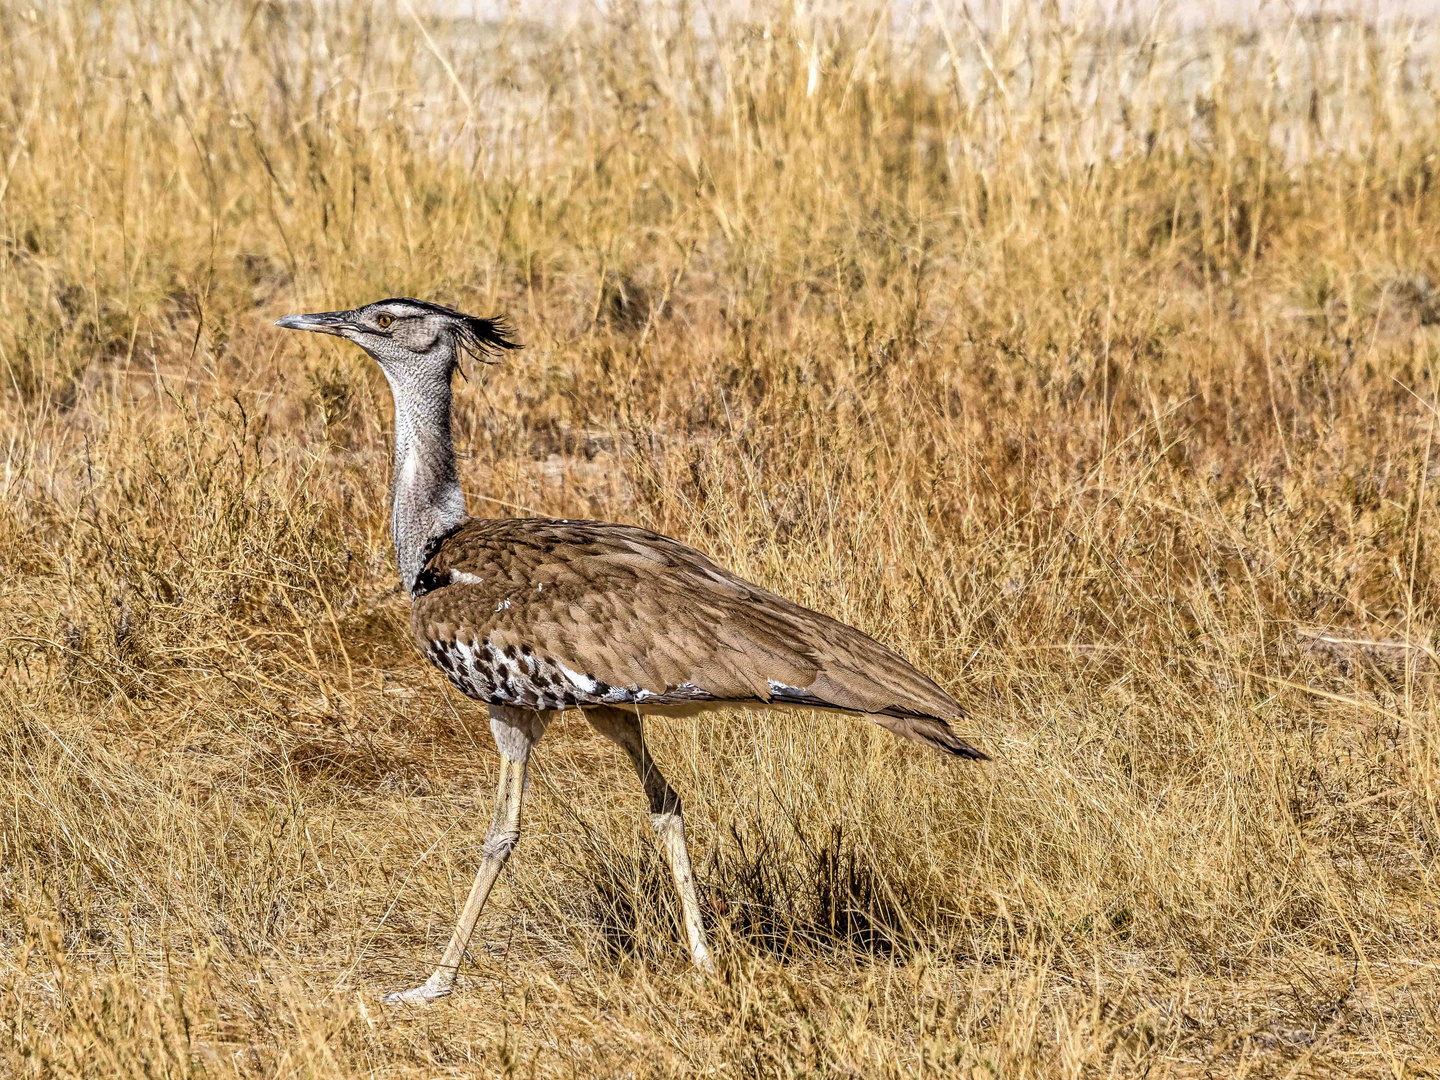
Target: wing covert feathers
543	612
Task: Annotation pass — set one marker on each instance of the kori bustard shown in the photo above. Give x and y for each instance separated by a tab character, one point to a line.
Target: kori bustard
536	615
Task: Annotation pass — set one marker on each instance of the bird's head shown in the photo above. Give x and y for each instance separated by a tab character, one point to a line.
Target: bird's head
413	341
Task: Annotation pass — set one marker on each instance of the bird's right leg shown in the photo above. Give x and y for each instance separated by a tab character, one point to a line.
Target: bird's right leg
516	731
623	727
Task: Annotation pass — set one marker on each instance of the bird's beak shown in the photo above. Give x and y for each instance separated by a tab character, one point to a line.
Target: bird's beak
323	322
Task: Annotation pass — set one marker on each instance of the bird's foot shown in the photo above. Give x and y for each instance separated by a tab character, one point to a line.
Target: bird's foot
704	964
433	989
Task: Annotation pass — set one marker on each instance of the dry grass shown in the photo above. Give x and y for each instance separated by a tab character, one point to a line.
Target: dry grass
1093	367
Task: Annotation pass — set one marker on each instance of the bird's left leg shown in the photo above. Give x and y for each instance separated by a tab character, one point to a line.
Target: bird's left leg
516	731
623	727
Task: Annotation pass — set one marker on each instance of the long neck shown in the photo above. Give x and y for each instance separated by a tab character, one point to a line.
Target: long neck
425	499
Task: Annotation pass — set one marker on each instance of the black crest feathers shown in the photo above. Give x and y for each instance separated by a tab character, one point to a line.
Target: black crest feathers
480	338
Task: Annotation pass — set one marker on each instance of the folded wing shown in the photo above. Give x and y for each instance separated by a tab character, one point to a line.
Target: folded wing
531	611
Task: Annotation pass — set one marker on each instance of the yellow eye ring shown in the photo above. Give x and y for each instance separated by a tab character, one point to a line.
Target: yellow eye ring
384	321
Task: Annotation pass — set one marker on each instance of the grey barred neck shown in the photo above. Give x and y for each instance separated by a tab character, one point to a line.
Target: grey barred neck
426	502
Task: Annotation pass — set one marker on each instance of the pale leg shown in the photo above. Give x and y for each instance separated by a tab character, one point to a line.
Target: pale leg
515	731
623	727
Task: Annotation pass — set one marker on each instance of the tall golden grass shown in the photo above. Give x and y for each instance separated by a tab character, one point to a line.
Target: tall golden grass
1089	363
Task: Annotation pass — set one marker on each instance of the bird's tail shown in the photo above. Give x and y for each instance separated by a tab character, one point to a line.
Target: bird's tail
932	731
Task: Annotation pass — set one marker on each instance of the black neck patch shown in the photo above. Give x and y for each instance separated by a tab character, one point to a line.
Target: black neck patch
428	580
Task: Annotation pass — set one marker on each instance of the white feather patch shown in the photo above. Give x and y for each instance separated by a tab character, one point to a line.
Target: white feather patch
584	683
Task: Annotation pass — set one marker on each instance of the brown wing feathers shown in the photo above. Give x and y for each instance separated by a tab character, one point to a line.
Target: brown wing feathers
596	613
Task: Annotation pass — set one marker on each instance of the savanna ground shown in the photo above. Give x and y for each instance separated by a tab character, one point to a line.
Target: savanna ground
1092	365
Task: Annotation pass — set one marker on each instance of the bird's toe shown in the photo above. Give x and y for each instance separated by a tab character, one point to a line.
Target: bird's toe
423	994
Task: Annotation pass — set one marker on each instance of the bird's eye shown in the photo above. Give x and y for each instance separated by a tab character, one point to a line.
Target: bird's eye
384	321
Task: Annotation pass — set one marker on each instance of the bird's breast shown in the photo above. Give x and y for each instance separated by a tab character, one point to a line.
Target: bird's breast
505	675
